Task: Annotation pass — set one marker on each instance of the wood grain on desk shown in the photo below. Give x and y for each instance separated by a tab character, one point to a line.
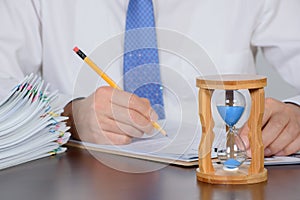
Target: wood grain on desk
78	175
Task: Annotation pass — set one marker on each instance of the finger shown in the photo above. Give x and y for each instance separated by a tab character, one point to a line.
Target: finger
111	125
283	141
273	128
117	139
153	116
291	148
98	136
132	102
278	143
131	118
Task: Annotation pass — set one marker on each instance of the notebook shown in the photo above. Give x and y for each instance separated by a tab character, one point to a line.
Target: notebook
31	125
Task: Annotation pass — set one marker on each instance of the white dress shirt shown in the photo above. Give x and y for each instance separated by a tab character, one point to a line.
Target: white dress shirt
39	35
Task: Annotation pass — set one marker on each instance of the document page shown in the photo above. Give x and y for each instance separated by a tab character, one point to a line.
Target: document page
181	144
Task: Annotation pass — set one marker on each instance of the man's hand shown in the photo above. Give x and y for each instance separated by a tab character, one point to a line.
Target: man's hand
110	116
280	128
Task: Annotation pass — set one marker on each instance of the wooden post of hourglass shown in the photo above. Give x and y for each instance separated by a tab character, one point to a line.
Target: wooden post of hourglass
255	172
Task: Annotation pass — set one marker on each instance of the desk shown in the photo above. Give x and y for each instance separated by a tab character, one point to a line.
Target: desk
78	175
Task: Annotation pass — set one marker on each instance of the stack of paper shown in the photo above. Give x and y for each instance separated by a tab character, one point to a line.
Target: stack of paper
31	125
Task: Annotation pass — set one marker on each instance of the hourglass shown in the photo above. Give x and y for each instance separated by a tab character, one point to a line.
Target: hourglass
230	105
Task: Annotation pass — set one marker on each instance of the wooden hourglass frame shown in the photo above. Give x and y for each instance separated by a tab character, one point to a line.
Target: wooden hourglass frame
247	174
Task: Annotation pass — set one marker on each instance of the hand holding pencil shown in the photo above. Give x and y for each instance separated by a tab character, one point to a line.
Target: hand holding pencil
120	115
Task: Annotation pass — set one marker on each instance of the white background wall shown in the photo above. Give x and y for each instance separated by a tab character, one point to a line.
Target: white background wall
276	87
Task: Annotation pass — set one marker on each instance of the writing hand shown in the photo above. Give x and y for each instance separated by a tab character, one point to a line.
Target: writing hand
111	116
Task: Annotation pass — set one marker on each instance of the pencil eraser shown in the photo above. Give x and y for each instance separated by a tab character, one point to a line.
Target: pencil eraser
76	49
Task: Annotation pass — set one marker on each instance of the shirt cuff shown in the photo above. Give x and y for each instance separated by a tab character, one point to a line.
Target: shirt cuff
294	100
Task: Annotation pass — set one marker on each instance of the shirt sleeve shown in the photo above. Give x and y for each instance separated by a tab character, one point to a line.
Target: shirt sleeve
20	42
278	34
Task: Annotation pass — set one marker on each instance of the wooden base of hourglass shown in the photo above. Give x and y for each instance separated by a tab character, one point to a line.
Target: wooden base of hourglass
246	174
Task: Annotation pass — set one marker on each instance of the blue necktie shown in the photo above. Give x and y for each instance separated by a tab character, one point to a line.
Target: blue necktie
141	63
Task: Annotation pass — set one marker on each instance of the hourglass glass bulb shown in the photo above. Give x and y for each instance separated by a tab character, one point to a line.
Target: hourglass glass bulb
234	152
230	105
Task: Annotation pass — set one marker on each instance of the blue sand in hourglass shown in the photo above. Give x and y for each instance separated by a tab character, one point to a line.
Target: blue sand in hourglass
232	163
231	114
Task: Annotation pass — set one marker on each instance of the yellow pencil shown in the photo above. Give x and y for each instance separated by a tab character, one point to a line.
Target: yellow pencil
109	81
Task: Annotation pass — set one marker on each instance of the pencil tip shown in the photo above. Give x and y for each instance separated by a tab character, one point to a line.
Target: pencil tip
164	132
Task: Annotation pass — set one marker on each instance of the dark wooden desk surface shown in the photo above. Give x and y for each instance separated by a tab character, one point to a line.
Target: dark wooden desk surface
78	175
